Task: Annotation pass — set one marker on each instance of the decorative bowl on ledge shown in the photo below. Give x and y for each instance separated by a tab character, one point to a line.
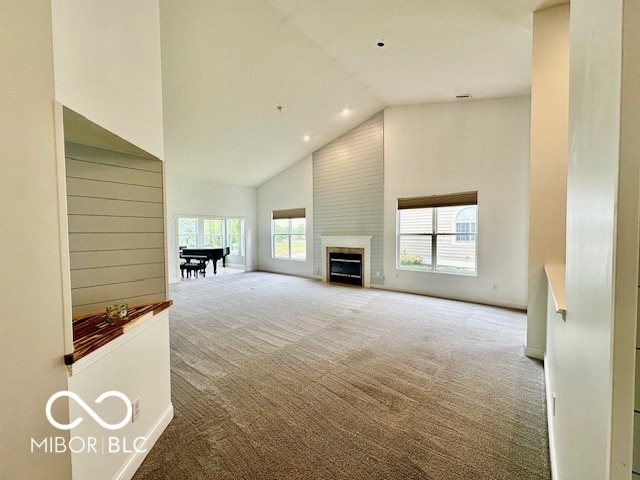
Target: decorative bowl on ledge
117	312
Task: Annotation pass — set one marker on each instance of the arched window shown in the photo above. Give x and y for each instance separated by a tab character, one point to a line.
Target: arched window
466	225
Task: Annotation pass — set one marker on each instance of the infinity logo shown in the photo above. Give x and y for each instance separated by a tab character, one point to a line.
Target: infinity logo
89	410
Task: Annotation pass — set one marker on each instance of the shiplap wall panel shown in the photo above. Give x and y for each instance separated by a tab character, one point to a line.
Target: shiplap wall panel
341	193
115	292
112	174
636	406
109	207
95	224
636	403
86	242
348	190
636	441
637	385
79	187
116	258
103	156
113	275
358	144
116	228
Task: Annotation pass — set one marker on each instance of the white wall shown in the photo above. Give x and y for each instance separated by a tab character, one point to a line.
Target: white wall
594	349
457	147
107	66
31	298
107	69
627	271
292	188
139	368
192	196
548	163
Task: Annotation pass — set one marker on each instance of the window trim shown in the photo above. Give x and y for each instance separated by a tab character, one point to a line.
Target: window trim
290	215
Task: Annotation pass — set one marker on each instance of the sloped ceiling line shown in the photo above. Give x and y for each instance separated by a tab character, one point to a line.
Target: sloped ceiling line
227	63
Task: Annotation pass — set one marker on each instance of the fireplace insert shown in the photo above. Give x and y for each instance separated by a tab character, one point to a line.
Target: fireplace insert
345	268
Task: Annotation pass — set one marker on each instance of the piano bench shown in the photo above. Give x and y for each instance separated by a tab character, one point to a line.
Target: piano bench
190	268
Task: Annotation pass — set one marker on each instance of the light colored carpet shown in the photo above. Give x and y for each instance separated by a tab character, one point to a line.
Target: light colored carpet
279	377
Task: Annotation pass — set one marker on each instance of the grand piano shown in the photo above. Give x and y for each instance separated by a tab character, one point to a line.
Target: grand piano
202	256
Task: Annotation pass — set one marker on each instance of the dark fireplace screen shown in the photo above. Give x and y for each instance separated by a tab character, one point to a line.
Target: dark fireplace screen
345	268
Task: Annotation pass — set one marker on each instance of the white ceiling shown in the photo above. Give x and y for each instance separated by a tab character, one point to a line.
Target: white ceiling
227	64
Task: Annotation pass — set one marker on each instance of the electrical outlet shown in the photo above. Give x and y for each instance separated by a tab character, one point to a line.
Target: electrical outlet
135	410
495	286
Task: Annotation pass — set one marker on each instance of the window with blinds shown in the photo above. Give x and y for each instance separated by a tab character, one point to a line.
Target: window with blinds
438	233
289	234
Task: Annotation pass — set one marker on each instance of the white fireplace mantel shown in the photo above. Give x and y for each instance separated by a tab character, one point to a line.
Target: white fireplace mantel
349	241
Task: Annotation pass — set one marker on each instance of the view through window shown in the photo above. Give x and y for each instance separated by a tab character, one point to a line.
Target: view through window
289	236
207	232
435	236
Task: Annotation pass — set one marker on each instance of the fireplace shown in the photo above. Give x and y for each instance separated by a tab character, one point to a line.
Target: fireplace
351	259
345	265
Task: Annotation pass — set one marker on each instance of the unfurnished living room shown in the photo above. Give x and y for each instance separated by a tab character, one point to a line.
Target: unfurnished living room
294	239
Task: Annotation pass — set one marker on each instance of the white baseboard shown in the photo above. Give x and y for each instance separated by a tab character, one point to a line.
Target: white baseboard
550	426
128	470
534	353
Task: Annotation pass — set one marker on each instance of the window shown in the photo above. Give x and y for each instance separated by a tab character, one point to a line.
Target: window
207	232
438	233
289	234
235	236
212	233
188	232
466	224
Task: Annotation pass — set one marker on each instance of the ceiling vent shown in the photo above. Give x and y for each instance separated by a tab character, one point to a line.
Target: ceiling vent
465	96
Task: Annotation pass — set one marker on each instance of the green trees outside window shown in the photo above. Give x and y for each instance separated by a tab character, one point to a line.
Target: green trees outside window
188	232
289	238
234	236
212	233
203	232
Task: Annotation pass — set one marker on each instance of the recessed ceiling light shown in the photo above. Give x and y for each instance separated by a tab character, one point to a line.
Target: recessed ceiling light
345	112
306	138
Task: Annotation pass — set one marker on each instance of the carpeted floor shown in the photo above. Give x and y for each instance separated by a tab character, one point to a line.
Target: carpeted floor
280	377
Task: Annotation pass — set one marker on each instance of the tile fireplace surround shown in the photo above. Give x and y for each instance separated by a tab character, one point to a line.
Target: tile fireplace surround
348	241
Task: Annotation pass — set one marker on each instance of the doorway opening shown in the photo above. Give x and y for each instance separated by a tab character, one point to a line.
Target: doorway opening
209	233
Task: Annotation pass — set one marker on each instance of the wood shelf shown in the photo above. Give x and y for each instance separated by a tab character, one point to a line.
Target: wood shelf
93	331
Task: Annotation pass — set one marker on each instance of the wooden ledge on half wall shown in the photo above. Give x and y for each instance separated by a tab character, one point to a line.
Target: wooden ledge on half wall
92	331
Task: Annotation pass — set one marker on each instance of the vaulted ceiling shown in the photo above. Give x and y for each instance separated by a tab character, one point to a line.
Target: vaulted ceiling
245	81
